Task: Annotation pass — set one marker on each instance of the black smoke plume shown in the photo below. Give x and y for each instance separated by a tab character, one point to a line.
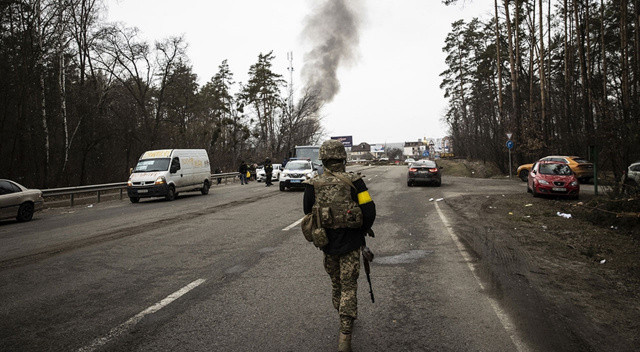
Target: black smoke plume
333	30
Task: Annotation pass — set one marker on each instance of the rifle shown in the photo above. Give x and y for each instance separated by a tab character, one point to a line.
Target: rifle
367	256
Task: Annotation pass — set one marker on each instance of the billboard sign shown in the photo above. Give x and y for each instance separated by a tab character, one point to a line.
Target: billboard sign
347	141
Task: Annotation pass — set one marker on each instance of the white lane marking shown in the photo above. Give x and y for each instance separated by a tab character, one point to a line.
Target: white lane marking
127	325
506	322
292	225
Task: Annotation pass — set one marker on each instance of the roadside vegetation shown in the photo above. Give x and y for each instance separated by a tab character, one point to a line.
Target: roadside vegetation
468	168
82	99
560	76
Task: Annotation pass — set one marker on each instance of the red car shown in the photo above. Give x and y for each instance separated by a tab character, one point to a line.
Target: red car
553	178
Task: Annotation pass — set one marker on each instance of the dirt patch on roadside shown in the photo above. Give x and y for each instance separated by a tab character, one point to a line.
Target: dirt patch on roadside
587	270
466	168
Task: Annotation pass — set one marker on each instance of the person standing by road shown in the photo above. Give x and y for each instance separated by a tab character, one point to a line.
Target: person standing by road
243	173
268	172
218	171
347	213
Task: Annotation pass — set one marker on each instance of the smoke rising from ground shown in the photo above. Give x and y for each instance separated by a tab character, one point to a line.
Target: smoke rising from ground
334	34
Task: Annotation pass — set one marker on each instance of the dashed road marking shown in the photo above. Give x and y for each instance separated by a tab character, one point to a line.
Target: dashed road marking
506	322
293	225
127	325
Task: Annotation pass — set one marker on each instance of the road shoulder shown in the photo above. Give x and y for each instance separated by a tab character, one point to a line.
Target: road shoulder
549	267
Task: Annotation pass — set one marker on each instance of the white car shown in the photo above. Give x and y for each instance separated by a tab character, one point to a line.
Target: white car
409	161
296	172
632	175
18	202
275	176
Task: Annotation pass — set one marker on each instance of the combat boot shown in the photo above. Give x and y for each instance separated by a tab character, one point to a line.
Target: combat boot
344	343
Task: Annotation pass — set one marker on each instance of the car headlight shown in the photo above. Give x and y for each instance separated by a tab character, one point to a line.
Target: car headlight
574	183
129	183
160	180
543	182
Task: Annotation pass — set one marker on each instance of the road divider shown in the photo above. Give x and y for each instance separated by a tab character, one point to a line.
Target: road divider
100	190
129	324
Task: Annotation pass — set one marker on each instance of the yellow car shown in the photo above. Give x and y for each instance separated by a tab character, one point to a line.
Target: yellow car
581	167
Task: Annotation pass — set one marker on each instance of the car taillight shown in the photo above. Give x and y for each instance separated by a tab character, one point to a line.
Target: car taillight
434	170
413	169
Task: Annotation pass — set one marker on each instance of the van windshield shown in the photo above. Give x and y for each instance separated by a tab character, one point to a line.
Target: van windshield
149	165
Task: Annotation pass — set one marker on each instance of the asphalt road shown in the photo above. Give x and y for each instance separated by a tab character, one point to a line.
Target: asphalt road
228	272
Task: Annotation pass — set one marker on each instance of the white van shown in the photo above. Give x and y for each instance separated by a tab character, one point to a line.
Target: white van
165	173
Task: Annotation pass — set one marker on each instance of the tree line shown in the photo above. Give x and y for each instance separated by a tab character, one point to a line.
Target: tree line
81	99
560	75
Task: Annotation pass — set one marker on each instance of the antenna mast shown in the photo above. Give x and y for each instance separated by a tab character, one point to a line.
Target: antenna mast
290	68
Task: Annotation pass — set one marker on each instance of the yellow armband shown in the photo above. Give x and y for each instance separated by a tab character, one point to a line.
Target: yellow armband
364	197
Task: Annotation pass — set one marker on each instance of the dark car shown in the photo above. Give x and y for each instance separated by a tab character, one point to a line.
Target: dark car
426	171
553	178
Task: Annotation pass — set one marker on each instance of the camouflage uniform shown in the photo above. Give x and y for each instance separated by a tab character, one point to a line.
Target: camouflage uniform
343	199
344	270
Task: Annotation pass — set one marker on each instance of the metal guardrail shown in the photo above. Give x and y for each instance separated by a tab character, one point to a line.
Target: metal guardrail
121	186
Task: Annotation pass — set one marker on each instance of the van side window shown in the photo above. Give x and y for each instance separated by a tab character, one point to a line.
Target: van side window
175	163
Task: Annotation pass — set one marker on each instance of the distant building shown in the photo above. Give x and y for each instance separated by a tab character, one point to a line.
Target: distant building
414	149
434	147
361	151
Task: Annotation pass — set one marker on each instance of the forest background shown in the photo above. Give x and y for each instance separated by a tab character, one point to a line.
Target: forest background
560	75
80	99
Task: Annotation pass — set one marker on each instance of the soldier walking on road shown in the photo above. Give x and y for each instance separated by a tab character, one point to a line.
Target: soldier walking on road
347	212
268	172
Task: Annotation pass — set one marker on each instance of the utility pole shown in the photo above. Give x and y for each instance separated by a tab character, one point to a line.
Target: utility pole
290	68
509	147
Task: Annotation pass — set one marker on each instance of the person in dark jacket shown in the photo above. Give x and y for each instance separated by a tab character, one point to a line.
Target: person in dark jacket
218	171
243	173
268	172
342	253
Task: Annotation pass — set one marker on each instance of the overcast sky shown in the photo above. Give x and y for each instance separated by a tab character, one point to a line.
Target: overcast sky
389	93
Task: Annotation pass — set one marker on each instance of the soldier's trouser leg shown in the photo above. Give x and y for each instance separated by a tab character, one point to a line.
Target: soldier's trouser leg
332	266
344	271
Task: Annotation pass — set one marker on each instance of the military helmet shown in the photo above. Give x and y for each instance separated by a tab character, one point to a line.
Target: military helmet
332	149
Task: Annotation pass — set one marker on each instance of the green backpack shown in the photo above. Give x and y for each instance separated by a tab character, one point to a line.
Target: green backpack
334	204
334	208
